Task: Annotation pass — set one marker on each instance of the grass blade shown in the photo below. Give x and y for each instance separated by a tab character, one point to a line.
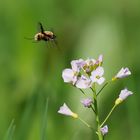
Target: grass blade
10	131
44	122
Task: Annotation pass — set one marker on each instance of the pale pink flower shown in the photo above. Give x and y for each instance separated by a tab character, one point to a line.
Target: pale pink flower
87	102
123	95
99	61
89	65
83	82
124	72
66	111
104	130
97	75
69	76
77	65
90	62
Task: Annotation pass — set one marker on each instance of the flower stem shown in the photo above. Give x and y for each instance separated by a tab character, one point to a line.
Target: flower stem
102	88
82	91
92	109
100	136
93	90
85	123
108	115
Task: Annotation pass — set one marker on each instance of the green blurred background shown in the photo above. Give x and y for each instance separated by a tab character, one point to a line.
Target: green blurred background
31	72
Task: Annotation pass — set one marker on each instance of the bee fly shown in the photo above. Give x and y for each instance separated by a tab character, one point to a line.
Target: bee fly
44	35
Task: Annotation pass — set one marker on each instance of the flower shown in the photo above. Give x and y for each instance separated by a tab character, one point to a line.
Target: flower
66	111
77	65
83	73
90	62
104	130
96	75
69	76
87	65
87	102
99	61
123	95
124	72
83	82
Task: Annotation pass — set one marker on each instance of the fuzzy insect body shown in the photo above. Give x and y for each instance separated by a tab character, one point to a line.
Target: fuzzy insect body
44	35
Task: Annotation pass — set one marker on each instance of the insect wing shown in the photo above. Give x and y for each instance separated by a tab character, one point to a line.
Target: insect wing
41	27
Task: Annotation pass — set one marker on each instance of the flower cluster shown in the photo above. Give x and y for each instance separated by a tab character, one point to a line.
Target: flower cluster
83	73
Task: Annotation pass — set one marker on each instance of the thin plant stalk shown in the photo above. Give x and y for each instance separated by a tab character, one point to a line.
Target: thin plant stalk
85	123
100	136
103	87
109	114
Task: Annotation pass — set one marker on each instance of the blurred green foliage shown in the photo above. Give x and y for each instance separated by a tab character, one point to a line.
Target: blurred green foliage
31	72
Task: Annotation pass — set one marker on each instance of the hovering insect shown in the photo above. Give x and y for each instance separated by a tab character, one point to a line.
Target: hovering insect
44	35
47	36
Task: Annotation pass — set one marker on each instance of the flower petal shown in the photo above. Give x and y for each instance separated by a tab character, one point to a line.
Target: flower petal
96	76
66	111
83	82
100	71
124	94
90	62
104	130
68	76
77	64
99	61
87	102
100	80
124	72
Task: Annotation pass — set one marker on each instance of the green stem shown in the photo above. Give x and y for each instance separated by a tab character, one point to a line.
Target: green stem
100	136
85	123
93	90
102	88
92	109
82	91
108	115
